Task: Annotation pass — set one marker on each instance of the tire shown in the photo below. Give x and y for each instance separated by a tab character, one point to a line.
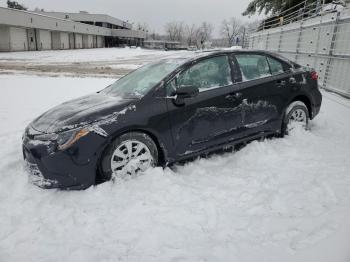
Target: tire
297	111
111	162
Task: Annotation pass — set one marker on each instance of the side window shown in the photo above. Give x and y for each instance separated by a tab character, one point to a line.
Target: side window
253	66
275	66
210	73
170	88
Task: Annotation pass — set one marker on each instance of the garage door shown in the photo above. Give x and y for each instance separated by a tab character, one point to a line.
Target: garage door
18	38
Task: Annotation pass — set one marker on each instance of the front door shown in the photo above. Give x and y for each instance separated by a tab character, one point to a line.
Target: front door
213	116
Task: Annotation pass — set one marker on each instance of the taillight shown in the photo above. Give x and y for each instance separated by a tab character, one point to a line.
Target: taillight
314	75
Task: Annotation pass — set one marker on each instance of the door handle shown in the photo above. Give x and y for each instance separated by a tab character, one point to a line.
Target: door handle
234	96
292	80
280	82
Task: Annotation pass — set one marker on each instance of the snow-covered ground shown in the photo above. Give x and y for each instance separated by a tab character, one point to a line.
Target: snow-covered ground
102	62
274	200
84	55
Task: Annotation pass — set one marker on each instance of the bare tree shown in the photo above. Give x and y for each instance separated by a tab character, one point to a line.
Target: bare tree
175	31
204	33
154	35
252	26
190	34
142	27
230	29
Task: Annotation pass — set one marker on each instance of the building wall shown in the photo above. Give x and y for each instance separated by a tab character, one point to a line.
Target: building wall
44	40
18	38
78	41
19	18
23	30
100	42
82	16
4	38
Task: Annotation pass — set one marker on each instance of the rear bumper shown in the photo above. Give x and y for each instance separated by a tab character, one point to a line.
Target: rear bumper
316	102
315	110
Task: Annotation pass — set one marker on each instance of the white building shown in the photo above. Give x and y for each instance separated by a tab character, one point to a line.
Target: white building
27	31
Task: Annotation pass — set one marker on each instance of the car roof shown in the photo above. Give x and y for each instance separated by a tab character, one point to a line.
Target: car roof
205	53
193	56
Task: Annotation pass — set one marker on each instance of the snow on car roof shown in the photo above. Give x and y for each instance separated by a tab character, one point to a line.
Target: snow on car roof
190	56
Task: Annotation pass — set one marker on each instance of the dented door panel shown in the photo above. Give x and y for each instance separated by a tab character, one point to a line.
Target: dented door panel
262	105
209	119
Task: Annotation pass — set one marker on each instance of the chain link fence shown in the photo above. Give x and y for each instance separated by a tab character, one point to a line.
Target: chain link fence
321	42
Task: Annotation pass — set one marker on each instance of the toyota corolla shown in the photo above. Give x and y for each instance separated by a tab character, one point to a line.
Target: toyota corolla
168	111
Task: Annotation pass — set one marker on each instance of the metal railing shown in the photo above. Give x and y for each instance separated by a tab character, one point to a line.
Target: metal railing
302	11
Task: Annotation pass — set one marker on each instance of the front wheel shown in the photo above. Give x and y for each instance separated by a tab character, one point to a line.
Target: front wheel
296	114
128	155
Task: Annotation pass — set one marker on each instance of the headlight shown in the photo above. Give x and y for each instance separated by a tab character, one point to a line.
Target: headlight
68	138
65	139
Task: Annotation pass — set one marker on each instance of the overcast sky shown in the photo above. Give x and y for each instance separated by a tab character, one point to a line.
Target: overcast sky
153	12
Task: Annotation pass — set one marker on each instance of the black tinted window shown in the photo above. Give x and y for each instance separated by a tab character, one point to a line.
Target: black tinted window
253	66
275	66
209	73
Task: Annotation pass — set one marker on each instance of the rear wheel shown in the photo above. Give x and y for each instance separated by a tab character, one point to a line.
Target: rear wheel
128	155
296	114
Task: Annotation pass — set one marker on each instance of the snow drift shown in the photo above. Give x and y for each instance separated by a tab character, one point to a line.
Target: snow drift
274	200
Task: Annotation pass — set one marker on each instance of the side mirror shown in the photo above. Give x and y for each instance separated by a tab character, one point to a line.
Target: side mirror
186	92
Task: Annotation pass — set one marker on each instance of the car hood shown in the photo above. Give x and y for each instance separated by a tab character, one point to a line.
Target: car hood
80	112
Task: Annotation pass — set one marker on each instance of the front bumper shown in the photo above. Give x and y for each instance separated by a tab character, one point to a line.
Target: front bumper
71	169
37	178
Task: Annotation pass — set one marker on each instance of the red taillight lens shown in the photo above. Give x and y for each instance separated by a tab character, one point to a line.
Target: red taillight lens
314	75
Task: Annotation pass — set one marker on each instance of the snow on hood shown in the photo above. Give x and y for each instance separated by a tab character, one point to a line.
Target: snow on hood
79	112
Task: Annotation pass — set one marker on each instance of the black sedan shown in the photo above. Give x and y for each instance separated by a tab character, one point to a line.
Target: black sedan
166	112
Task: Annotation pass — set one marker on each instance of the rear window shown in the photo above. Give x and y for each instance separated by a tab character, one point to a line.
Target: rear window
286	62
253	66
275	66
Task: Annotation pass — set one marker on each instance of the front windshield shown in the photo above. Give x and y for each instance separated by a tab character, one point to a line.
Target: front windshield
139	82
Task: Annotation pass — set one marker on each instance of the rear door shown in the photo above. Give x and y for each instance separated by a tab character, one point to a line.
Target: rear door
213	116
264	90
